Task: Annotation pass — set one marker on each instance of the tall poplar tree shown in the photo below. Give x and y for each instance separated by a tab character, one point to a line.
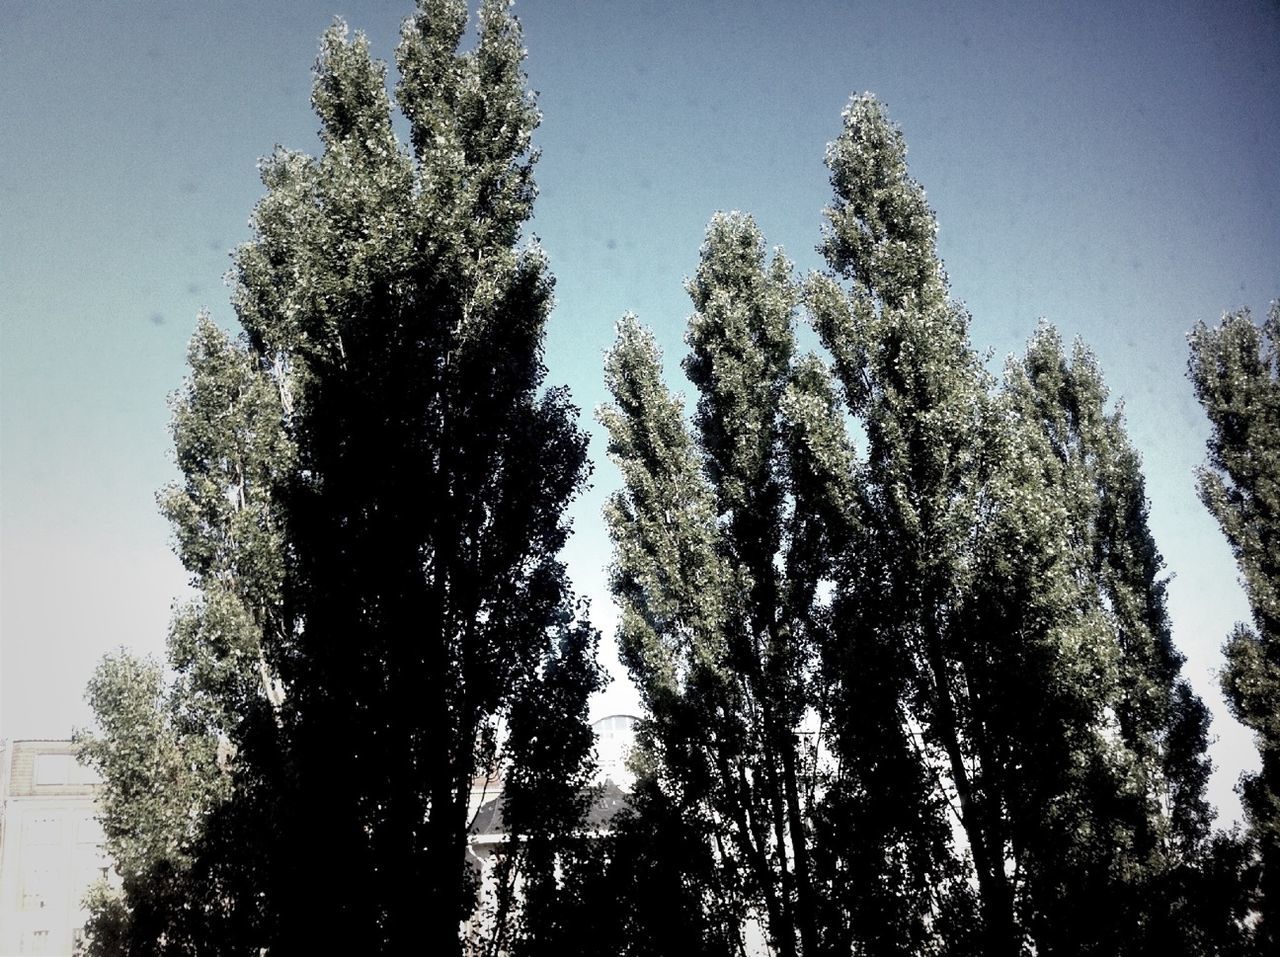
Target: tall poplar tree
956	584
1023	637
1235	368
1148	846
719	658
726	539
190	857
392	618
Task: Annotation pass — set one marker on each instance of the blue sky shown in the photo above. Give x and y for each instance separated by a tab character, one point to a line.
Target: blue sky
1114	168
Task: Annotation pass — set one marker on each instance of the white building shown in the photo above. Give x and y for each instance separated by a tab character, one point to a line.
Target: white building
615	738
50	847
51	843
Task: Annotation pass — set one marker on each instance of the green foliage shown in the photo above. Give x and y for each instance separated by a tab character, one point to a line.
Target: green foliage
371	506
1142	872
845	657
165	748
1007	573
939	592
724	539
168	788
653	868
718	656
1234	369
157	774
107	927
899	629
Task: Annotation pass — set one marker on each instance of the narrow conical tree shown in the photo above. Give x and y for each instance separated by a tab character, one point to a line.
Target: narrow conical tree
427	596
1149	836
410	624
719	662
902	354
188	856
725	541
1010	579
1235	368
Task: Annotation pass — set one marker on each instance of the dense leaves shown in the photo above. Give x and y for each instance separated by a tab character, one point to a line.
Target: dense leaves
1010	576
923	698
716	575
1234	369
1142	873
374	482
899	627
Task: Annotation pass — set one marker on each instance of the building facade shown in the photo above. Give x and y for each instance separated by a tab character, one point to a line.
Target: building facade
51	847
615	740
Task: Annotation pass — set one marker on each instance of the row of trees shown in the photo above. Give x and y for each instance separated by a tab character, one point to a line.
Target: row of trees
900	628
898	625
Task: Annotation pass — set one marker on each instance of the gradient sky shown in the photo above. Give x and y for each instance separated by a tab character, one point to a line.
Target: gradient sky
1114	168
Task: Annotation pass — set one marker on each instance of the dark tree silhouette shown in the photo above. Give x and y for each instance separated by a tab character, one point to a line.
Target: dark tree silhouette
373	496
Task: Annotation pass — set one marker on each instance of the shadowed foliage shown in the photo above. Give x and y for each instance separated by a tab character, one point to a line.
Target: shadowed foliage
372	501
1234	368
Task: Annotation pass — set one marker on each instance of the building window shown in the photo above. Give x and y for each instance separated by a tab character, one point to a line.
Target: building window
58	769
53	768
83	774
37	889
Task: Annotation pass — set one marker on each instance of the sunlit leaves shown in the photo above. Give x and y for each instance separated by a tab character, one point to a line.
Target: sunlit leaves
1234	369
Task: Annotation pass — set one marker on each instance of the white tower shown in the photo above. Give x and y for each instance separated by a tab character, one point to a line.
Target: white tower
615	737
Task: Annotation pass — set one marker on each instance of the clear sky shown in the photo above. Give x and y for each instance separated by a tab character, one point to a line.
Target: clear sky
1114	168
